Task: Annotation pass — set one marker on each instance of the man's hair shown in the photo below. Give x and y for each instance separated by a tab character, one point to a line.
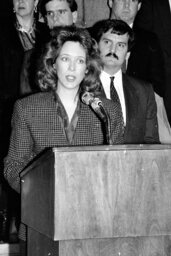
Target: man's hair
41	6
118	27
46	74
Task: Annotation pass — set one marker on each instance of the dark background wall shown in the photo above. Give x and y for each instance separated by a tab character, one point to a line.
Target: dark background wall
91	11
6	7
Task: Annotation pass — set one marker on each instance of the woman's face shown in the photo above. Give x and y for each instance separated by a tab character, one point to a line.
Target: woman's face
24	7
71	66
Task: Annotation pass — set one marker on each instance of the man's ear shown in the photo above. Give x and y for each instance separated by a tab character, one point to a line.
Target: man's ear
110	3
139	6
74	16
95	45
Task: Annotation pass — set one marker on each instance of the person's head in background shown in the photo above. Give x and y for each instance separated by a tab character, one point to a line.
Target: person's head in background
114	38
125	10
58	12
69	63
25	11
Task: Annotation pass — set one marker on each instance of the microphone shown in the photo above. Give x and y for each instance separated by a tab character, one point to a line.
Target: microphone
96	104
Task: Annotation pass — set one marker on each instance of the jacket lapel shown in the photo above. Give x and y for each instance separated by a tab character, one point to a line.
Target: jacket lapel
101	91
131	102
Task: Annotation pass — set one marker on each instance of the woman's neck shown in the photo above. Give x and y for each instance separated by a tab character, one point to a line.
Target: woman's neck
68	95
69	100
26	22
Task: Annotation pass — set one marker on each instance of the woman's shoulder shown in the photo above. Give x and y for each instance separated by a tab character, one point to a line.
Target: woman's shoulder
37	100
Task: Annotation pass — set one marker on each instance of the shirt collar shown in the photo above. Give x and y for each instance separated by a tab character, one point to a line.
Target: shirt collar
105	75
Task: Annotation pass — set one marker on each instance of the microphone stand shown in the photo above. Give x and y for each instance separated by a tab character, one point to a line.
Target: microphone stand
107	125
96	104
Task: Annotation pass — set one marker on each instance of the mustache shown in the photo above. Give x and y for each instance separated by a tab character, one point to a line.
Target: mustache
112	54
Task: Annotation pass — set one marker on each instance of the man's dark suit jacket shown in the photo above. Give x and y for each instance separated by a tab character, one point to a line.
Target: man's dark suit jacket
155	16
141	112
11	56
37	124
146	60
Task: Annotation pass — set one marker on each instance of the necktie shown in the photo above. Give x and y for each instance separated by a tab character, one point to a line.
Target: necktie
113	93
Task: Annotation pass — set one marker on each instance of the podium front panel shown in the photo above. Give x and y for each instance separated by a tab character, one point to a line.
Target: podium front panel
99	192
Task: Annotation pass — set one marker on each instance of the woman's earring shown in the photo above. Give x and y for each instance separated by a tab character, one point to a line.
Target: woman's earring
86	71
35	9
54	67
13	10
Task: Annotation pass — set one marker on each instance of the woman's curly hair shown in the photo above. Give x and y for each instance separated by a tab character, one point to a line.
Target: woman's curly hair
46	74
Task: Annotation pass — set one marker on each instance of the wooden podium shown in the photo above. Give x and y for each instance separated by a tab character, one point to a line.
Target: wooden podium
99	201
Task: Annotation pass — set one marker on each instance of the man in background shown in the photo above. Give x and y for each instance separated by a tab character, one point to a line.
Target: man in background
58	12
146	59
114	38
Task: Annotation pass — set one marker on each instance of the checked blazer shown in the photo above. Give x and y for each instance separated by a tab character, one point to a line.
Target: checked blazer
36	125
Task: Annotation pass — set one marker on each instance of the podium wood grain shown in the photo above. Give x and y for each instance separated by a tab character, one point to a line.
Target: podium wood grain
119	195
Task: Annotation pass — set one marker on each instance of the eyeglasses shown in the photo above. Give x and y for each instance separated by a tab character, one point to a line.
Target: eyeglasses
53	14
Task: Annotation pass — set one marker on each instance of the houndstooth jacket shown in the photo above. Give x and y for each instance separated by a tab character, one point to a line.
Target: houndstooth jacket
36	125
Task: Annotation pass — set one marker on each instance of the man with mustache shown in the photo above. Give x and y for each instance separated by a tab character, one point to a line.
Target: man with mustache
114	38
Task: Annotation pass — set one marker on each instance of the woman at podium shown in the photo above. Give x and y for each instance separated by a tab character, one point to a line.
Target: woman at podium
69	66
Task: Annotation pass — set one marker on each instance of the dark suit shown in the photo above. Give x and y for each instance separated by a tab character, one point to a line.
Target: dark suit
146	60
155	16
141	112
37	125
11	63
11	56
